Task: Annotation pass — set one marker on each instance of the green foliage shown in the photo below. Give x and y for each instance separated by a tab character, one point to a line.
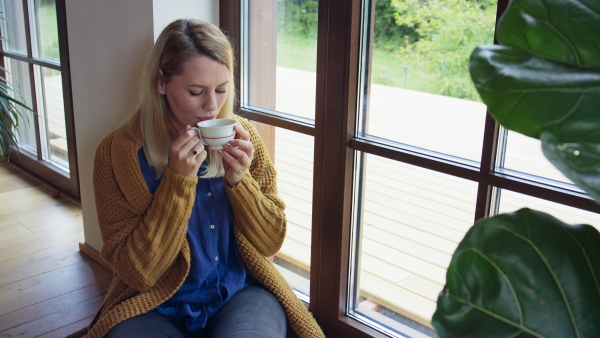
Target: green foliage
388	35
48	30
527	273
523	274
546	78
448	31
298	18
10	114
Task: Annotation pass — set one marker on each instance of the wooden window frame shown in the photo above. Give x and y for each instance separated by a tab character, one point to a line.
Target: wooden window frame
336	145
53	176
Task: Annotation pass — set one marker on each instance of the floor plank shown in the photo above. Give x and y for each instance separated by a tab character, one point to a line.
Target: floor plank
52	314
39	262
47	287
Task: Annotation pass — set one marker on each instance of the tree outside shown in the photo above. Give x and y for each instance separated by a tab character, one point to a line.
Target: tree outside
422	45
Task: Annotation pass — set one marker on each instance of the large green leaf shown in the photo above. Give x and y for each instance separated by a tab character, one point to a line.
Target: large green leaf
567	31
580	162
530	95
545	78
522	274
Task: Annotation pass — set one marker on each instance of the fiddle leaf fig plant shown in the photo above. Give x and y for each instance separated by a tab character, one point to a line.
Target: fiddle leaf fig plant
527	273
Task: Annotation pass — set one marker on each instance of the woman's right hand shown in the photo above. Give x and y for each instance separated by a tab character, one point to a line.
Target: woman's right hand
187	153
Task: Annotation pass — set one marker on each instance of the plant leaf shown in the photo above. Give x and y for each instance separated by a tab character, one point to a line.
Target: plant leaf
567	31
580	162
522	273
530	95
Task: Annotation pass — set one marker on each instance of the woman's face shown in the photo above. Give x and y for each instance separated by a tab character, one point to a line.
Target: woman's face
198	93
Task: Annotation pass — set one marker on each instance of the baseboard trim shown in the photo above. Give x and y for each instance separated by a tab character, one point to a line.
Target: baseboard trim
93	254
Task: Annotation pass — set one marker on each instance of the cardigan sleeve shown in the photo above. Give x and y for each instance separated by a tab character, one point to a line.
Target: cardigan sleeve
142	234
258	211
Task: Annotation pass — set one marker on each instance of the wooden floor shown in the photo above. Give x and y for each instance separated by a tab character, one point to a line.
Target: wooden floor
47	287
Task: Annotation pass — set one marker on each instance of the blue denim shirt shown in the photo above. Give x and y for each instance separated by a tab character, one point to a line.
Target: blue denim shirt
216	271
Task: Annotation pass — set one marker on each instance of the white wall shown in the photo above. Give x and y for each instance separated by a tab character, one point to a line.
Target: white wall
167	11
108	41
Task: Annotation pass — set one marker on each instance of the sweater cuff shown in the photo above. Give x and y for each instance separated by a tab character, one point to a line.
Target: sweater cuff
177	182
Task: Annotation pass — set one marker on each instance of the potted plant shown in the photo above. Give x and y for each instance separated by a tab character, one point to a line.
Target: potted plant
10	101
527	273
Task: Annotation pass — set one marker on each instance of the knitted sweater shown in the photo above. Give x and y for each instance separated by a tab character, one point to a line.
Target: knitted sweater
144	236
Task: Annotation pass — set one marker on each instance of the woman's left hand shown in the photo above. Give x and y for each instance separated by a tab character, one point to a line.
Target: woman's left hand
237	156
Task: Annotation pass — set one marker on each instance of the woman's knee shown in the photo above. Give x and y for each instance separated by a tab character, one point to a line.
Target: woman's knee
253	310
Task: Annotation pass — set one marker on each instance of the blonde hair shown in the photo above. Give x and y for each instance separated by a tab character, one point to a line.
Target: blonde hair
179	41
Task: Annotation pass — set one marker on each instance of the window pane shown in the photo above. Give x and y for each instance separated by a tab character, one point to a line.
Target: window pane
47	30
19	78
511	201
294	163
51	96
421	93
281	56
412	220
13	27
524	154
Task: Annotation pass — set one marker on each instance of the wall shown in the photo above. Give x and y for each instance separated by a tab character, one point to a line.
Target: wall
165	12
108	41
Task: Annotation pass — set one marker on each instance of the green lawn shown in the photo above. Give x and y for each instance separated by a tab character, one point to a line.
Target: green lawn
387	69
48	31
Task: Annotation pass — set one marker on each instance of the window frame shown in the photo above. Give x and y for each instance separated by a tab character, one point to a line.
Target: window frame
53	176
336	144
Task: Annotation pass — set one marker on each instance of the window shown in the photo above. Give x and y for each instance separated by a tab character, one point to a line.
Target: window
36	58
384	152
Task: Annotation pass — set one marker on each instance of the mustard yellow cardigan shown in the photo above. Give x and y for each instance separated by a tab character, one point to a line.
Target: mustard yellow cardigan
144	236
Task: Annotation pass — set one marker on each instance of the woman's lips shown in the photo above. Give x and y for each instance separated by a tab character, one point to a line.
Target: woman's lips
206	118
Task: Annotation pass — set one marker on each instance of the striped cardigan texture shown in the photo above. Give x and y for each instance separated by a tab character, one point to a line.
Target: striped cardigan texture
144	236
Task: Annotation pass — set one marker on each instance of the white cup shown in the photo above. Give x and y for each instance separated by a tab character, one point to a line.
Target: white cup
215	133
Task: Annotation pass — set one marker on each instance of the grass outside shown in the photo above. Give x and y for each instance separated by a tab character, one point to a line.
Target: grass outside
48	31
387	68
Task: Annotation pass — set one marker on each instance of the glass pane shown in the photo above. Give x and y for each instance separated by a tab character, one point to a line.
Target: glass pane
524	154
282	50
20	79
420	91
412	220
47	30
56	135
294	163
13	28
511	201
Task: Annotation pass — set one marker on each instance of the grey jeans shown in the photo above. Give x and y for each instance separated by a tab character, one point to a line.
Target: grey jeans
252	312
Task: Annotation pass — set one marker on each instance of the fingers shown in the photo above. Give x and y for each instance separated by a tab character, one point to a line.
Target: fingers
237	156
187	153
186	140
243	133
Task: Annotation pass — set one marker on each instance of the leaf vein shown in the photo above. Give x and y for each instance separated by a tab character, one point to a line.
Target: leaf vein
494	315
550	270
508	282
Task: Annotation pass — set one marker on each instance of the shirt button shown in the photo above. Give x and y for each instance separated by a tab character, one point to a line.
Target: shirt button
212	226
209	194
216	258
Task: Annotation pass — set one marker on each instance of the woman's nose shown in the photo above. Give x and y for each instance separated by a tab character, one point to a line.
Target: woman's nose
211	102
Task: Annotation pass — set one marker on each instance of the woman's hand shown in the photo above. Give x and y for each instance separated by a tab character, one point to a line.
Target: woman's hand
237	156
187	153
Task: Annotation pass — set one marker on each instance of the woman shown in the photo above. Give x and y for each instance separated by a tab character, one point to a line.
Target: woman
186	229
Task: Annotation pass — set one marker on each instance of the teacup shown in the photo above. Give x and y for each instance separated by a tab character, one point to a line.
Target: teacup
215	133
